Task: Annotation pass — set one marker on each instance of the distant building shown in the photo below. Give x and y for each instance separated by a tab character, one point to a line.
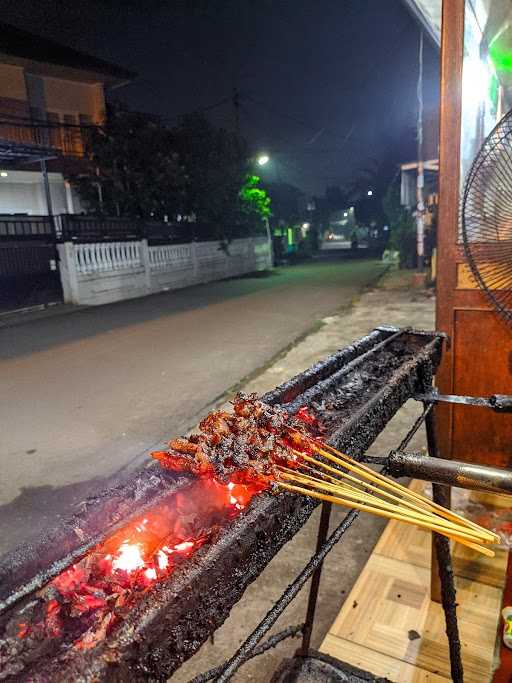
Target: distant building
409	171
49	93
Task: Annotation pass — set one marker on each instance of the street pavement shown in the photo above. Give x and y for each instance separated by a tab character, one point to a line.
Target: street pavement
85	395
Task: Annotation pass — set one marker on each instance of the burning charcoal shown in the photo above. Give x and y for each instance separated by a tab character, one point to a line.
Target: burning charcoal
53	621
94	635
85	603
70	580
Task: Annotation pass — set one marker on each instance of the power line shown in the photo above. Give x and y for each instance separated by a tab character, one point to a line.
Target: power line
201	110
302	123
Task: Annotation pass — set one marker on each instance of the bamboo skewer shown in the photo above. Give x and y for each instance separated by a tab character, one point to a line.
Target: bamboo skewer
402	500
356	485
364	471
387	514
360	497
426	506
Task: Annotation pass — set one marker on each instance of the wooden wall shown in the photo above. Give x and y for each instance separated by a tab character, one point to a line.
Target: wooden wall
479	359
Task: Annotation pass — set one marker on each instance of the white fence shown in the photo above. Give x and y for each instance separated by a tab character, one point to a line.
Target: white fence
100	257
101	273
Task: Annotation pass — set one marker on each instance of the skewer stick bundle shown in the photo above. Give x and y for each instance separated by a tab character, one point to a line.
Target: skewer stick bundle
337	478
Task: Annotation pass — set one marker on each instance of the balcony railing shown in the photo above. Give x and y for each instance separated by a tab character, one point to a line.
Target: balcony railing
68	139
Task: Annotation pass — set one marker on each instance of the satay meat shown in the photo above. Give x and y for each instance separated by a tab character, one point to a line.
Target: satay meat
254	438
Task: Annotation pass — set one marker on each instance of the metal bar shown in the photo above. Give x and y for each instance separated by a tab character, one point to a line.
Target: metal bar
420	179
412	431
448	596
500	403
323	530
464	475
434	397
433	451
289	594
271	642
443	565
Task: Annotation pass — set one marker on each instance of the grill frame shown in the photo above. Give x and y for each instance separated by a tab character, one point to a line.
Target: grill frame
173	619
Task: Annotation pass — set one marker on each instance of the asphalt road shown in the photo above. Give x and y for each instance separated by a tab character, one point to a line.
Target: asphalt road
87	394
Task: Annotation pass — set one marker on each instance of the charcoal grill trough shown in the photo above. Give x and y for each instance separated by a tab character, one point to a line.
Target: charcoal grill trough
354	393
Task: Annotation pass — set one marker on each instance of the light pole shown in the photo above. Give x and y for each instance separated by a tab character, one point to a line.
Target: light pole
262	160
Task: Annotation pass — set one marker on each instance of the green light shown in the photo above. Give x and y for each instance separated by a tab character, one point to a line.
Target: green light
290	237
502	59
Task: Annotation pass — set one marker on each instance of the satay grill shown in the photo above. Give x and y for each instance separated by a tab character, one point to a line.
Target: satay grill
216	549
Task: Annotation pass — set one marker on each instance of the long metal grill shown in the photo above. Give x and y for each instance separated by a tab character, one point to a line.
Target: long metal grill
358	390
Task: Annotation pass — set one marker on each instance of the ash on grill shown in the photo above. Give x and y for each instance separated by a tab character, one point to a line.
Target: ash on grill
338	404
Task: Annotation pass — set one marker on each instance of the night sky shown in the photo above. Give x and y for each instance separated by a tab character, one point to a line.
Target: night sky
325	85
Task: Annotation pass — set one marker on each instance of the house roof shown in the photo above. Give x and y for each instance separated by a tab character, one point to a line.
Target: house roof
42	55
428	13
490	22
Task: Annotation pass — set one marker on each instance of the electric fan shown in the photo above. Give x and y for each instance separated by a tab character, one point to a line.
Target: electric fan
487	218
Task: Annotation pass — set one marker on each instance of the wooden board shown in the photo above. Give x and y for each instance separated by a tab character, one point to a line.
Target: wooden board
392	599
410	544
378	626
379	664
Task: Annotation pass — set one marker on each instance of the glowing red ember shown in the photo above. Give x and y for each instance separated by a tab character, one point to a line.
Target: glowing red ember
91	596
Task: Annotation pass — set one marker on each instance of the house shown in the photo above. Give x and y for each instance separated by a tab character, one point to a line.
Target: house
49	94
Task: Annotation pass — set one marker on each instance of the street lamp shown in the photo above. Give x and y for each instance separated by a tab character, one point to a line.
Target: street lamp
370	193
262	160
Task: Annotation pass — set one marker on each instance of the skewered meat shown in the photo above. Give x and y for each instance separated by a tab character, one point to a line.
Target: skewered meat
254	438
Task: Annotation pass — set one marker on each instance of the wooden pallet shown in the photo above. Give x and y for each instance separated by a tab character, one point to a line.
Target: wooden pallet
389	626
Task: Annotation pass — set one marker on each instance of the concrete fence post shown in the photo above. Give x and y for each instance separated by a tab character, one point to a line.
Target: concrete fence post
195	261
144	257
68	272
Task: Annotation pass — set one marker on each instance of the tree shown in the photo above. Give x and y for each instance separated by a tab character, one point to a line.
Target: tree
402	227
255	202
134	169
141	169
216	167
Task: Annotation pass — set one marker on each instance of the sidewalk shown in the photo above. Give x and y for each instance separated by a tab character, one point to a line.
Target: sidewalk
33	313
393	302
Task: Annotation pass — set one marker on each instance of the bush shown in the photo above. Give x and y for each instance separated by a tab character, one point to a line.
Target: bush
402	228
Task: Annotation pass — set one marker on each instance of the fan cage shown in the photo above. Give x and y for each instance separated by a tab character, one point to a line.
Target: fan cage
486	218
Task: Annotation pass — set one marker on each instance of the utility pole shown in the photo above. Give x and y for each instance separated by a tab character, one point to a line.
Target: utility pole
420	180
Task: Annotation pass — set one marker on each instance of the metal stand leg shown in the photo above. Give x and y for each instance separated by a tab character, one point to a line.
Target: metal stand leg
442	495
442	580
448	598
323	530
